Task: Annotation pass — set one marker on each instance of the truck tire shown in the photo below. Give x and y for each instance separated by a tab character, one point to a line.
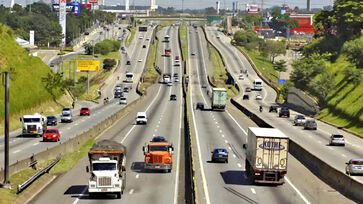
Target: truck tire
169	170
118	195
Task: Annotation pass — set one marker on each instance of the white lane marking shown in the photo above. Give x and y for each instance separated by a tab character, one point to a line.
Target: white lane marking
253	190
76	124
297	191
218	126
80	195
156	130
234	156
68	128
222	135
220	131
16	151
330	148
137	176
131	191
216	122
344	155
226	141
239	165
204	181
236	123
35	143
229	148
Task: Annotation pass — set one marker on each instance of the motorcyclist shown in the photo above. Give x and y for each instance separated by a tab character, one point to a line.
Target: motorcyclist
261	108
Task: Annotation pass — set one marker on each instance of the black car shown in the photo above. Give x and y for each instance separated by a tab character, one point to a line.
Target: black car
144	46
200	106
159	139
173	97
128	62
126	89
51	120
86	33
284	111
273	108
119	94
246	97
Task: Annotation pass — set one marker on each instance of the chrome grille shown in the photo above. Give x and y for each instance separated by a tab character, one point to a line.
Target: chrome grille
32	127
104	181
157	159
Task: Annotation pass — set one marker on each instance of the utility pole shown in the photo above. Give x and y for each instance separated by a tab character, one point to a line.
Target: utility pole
5	79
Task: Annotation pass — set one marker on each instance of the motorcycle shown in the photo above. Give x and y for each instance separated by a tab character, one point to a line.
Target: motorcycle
261	108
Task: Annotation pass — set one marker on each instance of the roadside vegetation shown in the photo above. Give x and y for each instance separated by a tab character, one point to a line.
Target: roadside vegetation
220	78
184	40
29	92
131	37
65	164
150	75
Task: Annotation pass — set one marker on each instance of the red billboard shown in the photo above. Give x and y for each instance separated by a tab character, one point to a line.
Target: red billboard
87	6
93	1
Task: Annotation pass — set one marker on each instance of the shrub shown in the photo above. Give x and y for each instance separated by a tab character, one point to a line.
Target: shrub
108	64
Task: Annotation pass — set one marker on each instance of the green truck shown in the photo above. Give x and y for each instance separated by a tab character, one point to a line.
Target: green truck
219	98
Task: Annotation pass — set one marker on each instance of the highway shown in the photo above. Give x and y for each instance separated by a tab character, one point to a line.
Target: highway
227	182
164	119
23	147
315	142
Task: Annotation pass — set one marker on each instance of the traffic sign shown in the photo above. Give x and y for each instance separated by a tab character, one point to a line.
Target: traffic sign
281	81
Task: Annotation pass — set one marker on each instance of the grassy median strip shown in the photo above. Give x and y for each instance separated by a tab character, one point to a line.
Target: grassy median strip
65	164
150	75
220	77
184	41
132	35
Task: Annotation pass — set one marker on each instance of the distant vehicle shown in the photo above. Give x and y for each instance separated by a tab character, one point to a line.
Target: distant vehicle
310	124
107	168
51	134
266	155
86	33
144	46
258	97
173	97
123	48
158	139
220	154
118	87
248	89
158	156
176	74
128	62
51	120
141	118
241	77
219	98
166	78
129	77
140	60
337	139
118	94
176	57
84	111
176	79
273	108
51	64
67	110
126	89
141	37
257	84
170	83
299	120
284	111
193	53
66	117
200	106
143	28
166	38
147	39
245	97
123	100
217	36
167	52
119	38
354	167
204	86
34	124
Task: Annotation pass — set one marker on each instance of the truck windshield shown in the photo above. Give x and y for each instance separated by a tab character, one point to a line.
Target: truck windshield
158	148
31	120
104	166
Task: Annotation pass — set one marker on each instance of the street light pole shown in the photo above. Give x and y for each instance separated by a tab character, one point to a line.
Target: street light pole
5	76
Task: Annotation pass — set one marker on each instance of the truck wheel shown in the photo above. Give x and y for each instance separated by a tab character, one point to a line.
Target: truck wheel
118	195
169	170
226	160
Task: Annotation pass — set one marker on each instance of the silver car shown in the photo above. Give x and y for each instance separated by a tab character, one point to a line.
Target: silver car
337	139
354	166
66	117
123	100
299	120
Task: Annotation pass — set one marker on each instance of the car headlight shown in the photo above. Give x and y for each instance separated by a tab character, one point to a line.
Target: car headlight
54	135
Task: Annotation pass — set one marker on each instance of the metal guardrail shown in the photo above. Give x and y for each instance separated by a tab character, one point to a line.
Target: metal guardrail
46	169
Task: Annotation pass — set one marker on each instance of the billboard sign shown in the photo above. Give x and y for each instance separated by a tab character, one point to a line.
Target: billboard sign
73	7
252	9
87	6
281	81
88	65
92	1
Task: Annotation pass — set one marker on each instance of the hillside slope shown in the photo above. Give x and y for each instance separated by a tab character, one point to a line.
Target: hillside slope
27	91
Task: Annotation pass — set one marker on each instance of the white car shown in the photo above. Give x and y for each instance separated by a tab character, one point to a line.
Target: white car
337	139
354	166
241	77
170	83
123	100
258	97
141	37
141	118
140	60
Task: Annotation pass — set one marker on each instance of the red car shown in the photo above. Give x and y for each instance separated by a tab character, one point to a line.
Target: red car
84	111
51	135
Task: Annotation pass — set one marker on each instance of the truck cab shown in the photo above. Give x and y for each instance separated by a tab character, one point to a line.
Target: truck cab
158	156
34	124
257	84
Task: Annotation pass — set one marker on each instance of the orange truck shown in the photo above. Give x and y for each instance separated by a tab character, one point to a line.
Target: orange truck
158	155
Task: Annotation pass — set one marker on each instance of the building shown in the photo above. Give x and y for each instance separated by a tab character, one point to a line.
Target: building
305	23
218	6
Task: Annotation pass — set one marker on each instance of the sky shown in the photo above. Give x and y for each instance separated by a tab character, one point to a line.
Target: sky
199	4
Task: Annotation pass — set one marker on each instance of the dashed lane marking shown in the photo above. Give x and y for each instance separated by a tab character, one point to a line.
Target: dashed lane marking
297	191
234	155
229	148
131	191
137	176
239	165
344	155
16	151
226	141
220	131
253	190
35	143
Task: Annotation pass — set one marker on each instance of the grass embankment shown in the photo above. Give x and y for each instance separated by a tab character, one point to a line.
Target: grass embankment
132	35
27	91
150	75
184	41
219	77
96	79
65	164
345	102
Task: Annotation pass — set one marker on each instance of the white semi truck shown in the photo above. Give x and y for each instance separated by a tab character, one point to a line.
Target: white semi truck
107	168
266	157
34	124
219	98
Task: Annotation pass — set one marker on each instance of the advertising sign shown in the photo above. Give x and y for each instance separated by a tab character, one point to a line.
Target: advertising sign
92	1
281	81
31	37
62	19
87	6
88	65
252	9
73	7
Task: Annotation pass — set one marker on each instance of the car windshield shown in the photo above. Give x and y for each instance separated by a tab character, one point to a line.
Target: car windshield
50	118
338	136
300	117
357	162
50	131
66	109
84	109
66	115
31	120
104	166
220	151
158	148
141	116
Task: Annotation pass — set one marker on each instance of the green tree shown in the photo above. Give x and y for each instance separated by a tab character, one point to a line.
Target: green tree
273	49
280	22
353	75
280	66
353	50
54	83
88	48
108	64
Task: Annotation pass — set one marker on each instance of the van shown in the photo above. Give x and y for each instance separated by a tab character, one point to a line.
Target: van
257	84
129	77
141	118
